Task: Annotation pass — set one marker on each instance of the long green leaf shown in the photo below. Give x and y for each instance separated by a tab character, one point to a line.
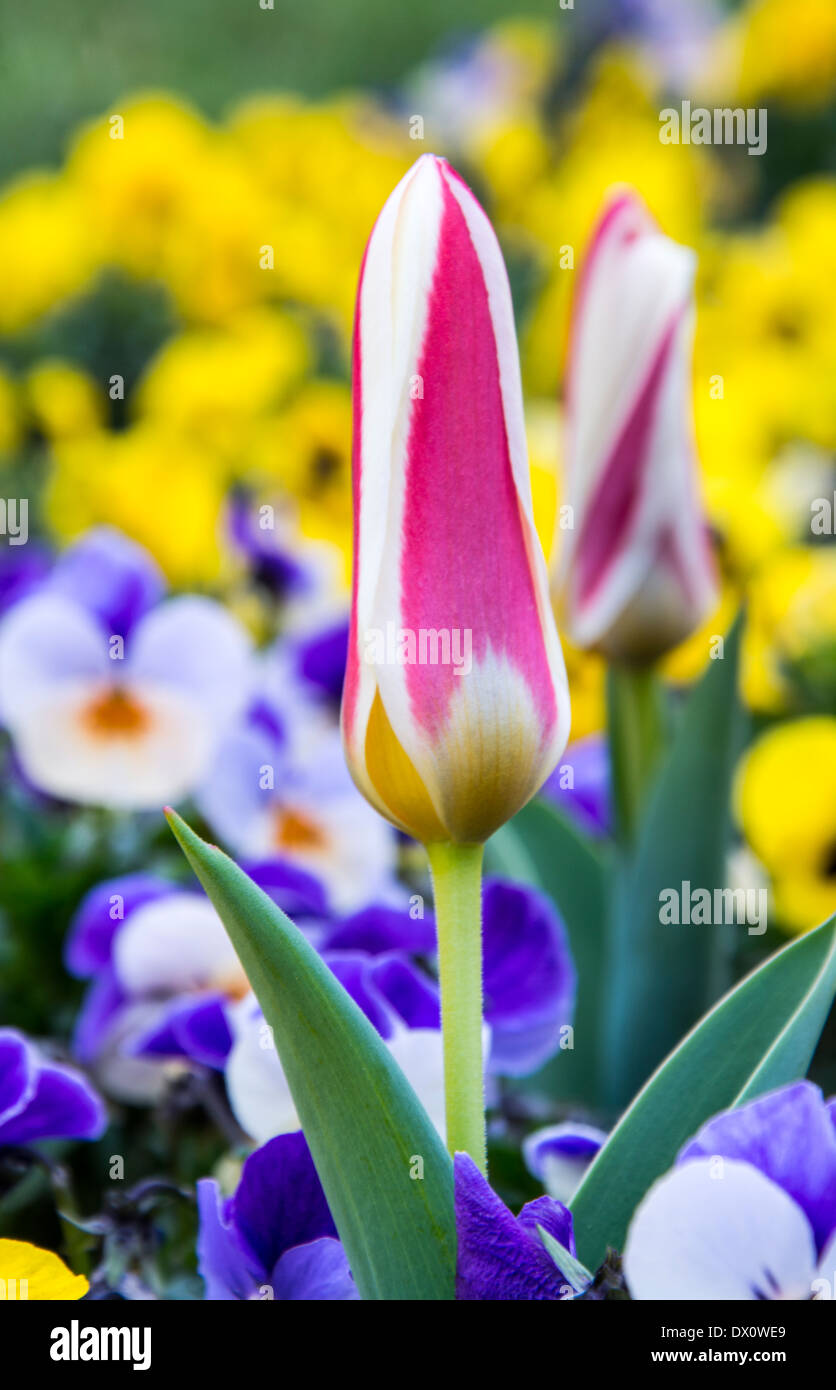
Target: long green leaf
541	847
661	977
761	1035
363	1122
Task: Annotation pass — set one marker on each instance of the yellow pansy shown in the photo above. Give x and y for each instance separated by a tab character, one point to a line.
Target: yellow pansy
64	401
137	167
27	1272
211	383
46	248
150	482
306	450
787	50
785	796
791	617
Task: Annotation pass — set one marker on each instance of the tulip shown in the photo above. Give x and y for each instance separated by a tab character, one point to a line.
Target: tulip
455	705
635	573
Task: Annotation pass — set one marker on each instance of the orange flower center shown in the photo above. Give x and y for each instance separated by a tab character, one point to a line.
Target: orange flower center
295	830
115	713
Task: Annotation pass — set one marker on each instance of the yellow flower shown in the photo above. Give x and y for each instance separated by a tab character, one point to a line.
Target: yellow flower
10	423
788	50
37	1274
792	616
138	177
307	450
211	383
327	169
161	489
63	400
45	247
786	803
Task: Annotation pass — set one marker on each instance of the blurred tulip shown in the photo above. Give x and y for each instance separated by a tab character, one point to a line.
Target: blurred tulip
635	569
456	705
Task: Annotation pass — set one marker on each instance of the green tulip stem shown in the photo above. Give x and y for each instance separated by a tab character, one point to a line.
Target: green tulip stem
636	718
457	885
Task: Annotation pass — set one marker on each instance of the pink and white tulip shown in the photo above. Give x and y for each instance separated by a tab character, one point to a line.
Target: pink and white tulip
635	572
447	562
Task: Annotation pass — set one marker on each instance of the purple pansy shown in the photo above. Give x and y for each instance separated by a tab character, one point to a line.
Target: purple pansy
528	973
588	800
501	1257
112	697
320	660
272	563
275	1237
749	1209
40	1099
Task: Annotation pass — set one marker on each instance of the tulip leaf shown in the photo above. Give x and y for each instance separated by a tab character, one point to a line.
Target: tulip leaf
544	849
365	1126
661	977
760	1036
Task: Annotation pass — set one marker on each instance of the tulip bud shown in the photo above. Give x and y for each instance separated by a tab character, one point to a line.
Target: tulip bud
455	707
636	574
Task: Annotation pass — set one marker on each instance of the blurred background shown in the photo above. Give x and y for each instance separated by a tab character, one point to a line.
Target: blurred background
186	193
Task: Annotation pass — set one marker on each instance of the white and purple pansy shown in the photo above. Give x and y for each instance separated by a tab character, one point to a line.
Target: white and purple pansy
163	974
274	1238
749	1209
42	1099
113	697
377	954
559	1155
279	786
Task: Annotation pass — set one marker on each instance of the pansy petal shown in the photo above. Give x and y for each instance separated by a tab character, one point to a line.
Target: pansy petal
789	1136
228	1270
196	647
316	1272
111	577
279	1202
498	1258
47	645
718	1230
529	977
43	1274
62	1106
176	944
101	914
18	1073
560	1154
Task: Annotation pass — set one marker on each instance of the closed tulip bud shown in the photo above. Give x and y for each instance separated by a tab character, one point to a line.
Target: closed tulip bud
455	707
635	574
